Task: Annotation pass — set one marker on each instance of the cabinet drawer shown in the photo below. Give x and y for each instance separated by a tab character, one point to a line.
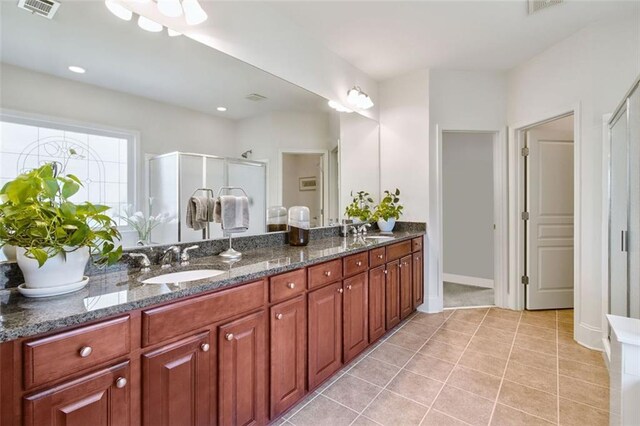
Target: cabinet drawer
285	286
325	273
172	320
398	250
355	264
63	354
416	244
377	257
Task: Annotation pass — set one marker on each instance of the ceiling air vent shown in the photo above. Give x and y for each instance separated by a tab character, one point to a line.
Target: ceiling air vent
46	8
256	97
537	5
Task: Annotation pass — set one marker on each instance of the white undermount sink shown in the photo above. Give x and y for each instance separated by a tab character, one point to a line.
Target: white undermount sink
379	238
183	276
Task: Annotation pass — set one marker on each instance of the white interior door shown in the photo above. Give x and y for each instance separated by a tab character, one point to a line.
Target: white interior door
550	225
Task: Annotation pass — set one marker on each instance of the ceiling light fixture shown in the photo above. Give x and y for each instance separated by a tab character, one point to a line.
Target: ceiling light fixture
358	98
222	109
170	8
339	107
194	14
119	10
149	25
77	69
173	33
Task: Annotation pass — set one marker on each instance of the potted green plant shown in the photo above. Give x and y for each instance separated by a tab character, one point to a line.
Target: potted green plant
359	210
388	211
53	236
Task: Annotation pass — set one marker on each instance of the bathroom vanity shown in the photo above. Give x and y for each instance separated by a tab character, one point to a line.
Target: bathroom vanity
239	348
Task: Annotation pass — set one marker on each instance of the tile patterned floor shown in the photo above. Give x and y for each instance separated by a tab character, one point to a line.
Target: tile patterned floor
467	367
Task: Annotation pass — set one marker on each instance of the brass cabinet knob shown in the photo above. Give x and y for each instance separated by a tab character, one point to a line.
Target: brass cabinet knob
349	287
385	272
229	336
204	347
85	351
380	256
327	273
358	263
291	285
121	382
340	290
279	316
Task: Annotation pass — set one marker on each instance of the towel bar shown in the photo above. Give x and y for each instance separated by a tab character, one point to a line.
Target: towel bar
230	253
206	233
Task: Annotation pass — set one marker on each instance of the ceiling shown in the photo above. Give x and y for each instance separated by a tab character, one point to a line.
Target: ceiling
120	56
389	38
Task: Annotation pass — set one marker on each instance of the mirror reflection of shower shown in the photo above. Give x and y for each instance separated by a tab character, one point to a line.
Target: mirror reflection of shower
247	154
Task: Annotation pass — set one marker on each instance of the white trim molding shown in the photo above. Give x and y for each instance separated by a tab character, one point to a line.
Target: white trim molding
466	280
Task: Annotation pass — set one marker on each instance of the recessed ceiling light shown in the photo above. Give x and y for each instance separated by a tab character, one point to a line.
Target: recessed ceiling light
77	70
221	109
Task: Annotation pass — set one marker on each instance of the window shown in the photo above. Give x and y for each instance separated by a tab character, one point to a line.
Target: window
102	160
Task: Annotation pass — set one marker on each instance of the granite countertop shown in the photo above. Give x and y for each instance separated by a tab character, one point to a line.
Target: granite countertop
111	293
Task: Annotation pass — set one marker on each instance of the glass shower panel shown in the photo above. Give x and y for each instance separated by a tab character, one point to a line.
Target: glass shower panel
619	195
634	206
252	177
163	189
214	179
191	178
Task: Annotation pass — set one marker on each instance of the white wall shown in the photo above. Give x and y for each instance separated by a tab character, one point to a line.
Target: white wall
467	205
593	69
294	167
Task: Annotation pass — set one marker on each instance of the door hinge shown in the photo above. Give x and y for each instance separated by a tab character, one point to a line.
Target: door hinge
525	151
525	279
525	215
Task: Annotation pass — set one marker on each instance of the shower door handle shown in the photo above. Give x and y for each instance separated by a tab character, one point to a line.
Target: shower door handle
623	241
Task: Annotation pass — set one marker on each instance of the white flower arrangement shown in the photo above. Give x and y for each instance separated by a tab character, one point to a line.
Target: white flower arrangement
144	224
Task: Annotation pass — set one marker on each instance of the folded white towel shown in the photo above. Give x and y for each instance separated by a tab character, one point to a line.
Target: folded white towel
232	212
199	212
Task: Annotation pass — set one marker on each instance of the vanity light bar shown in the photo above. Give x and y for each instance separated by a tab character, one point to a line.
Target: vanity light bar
194	14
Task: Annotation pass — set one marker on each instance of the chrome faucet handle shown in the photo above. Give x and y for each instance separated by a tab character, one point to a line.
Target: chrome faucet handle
363	228
171	252
144	261
184	257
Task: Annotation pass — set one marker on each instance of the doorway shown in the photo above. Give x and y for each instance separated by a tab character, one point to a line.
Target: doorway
547	181
468	223
303	183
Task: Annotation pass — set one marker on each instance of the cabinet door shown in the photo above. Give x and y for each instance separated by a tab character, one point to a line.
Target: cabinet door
288	353
242	371
325	333
392	294
376	303
406	287
417	272
355	315
102	398
176	383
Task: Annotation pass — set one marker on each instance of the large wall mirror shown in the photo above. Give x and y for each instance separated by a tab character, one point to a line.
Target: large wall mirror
153	118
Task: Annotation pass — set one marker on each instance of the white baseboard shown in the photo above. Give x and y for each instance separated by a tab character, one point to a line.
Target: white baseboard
431	305
589	336
465	280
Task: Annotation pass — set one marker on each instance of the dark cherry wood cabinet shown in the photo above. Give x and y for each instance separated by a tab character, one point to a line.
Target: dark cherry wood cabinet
392	294
406	287
288	333
376	303
101	398
417	272
242	371
325	333
177	388
355	315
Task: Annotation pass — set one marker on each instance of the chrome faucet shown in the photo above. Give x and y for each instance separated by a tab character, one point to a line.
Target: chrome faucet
144	261
362	229
168	256
184	257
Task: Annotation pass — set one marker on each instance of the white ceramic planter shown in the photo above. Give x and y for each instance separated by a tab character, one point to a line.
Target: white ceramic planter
386	225
9	252
56	271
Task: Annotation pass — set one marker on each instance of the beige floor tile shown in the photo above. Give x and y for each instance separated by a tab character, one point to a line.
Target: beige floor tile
534	359
352	392
500	324
543	380
566	338
474	316
537	345
483	362
293	410
585	393
565	327
476	382
459	326
436	418
493	334
529	400
587	372
565	315
419	329
322	411
452	337
464	406
374	371
442	351
539	332
391	354
575	414
431	320
430	367
548	314
391	409
539	321
579	353
363	421
411	342
416	387
498	350
504	314
507	416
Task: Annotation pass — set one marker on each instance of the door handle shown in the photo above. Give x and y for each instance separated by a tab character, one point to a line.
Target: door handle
622	241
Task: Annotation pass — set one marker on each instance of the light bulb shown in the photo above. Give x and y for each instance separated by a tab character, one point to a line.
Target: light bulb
352	96
339	107
170	8
119	10
221	109
149	25
77	69
194	14
366	103
173	33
